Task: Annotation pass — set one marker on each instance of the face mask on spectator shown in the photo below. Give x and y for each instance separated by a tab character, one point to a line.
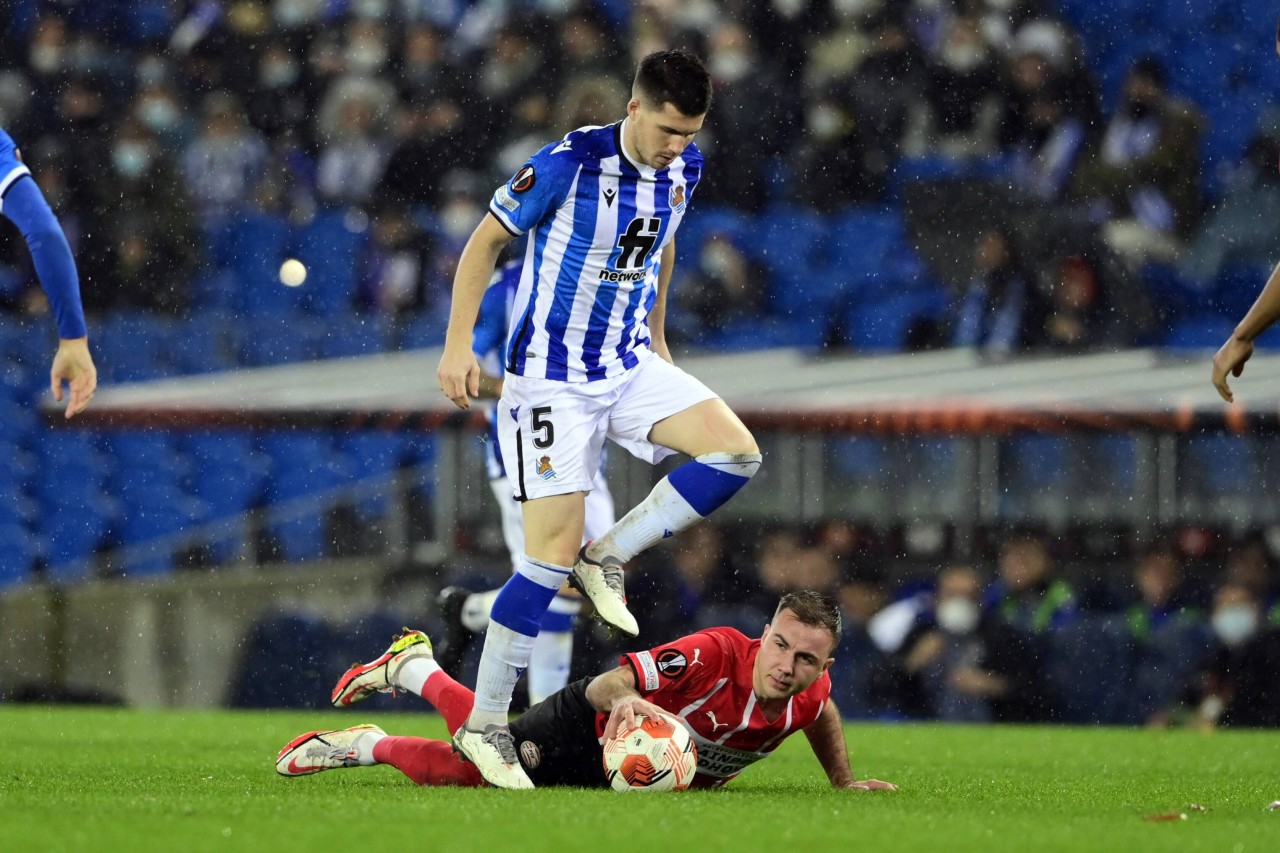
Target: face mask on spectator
158	114
459	219
730	65
962	58
47	59
716	260
275	75
365	56
370	9
824	122
131	159
957	616
1234	623
293	13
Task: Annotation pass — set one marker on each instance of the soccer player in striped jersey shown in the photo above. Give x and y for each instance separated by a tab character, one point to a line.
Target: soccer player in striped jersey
467	613
587	360
24	205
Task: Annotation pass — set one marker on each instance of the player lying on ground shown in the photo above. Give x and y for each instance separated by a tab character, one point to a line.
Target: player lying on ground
739	698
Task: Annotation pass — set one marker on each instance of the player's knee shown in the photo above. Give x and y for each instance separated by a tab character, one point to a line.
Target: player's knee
744	465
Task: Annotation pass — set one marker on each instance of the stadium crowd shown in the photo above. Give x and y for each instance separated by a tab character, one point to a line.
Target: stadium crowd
1181	630
172	136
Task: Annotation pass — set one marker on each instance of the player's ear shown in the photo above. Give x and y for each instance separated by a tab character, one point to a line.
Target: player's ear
826	664
633	106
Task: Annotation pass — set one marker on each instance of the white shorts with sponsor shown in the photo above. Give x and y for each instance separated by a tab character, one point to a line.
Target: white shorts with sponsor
552	433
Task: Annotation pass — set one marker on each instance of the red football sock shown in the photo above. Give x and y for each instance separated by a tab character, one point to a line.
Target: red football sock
450	698
427	762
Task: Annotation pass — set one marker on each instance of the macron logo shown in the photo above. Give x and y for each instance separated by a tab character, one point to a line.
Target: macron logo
667	534
563	146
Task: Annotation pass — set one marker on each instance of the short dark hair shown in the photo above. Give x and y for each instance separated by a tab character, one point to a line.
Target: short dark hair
674	77
811	607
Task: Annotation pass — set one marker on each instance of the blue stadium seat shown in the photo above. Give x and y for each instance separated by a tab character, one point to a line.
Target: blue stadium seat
885	324
74	533
373	453
165	513
134	347
263	683
20	552
304	466
207	344
330	246
256	244
425	330
1202	331
280	339
362	334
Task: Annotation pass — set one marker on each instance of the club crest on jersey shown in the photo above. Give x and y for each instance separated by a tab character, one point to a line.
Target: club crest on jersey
545	471
524	180
677	198
671	663
530	753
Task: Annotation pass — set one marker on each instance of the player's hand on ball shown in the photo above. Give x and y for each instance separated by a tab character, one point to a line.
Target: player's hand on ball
870	785
624	713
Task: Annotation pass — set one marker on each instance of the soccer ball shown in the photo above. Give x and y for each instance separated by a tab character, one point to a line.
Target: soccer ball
656	755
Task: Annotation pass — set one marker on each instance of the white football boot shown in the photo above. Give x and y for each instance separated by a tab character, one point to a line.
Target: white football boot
602	583
316	751
493	752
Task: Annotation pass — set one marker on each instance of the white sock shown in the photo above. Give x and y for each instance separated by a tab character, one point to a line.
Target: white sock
506	654
476	609
549	664
413	674
363	746
662	514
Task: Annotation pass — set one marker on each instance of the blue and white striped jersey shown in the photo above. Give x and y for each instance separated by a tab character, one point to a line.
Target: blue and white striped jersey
489	343
597	223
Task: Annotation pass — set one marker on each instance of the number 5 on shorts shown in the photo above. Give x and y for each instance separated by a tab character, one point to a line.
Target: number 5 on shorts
544	430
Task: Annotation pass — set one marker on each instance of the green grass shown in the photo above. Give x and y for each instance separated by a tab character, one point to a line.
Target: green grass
95	779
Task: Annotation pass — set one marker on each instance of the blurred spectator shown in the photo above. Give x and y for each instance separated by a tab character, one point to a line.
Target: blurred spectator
747	121
158	107
1081	315
964	94
1240	227
395	269
860	679
1236	685
429	137
722	289
354	142
224	161
277	103
1026	594
1001	311
1043	155
154	239
962	664
1168	633
1250	565
1144	179
840	163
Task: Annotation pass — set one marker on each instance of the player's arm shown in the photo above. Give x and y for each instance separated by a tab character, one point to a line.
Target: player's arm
459	372
614	693
826	738
26	207
658	316
1232	355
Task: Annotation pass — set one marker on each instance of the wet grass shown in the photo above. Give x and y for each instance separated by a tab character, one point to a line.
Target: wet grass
96	779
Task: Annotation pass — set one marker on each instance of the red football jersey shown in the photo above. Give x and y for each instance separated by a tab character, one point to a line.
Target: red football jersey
705	678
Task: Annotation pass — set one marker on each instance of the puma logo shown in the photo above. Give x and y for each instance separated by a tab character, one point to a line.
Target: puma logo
696	653
715	724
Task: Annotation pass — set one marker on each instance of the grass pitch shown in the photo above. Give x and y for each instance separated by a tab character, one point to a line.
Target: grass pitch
95	779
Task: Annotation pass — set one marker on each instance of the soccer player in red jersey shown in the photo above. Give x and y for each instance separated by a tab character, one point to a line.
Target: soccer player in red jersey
738	697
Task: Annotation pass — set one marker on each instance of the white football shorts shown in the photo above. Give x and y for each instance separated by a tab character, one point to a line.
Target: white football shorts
552	433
